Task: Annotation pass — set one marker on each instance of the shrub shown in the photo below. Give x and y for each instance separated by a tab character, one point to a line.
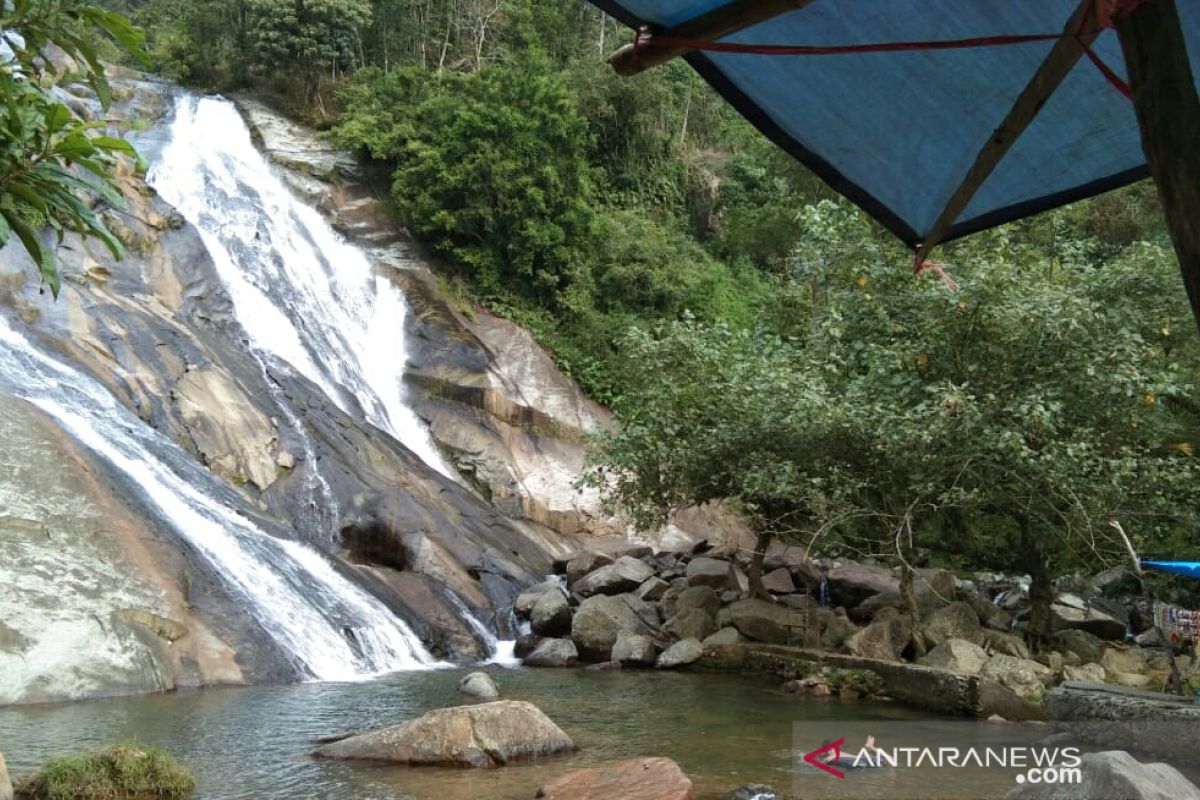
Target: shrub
124	771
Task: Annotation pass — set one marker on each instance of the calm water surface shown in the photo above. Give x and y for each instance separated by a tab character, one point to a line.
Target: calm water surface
254	743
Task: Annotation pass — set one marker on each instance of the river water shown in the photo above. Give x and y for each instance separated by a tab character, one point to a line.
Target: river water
724	731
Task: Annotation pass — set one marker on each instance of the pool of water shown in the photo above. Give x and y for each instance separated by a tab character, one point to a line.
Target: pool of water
254	743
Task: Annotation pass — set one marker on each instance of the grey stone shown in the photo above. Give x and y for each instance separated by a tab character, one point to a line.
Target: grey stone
486	735
551	615
600	618
1022	676
632	648
523	605
884	639
725	636
690	623
779	581
713	572
1006	644
1084	672
1114	775
761	621
701	597
1081	643
480	685
6	789
624	575
956	621
583	563
1088	618
682	653
652	589
850	583
553	653
956	655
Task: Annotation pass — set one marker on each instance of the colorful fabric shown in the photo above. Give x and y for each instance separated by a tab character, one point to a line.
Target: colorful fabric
1178	624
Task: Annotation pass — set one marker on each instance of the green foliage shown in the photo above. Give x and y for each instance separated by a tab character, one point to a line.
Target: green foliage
54	167
1005	424
308	35
124	771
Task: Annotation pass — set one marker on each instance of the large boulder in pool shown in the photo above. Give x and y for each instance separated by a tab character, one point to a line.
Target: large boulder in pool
551	615
600	618
479	685
633	779
487	735
762	621
1114	775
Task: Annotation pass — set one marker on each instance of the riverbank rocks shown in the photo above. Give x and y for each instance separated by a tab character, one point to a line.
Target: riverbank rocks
600	618
526	600
886	638
1023	677
714	572
633	779
955	621
553	653
680	654
487	735
956	655
690	623
1074	613
762	621
551	615
850	583
1114	775
754	791
6	789
624	575
479	685
634	650
585	562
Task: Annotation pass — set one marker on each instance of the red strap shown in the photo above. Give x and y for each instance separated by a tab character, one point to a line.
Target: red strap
920	266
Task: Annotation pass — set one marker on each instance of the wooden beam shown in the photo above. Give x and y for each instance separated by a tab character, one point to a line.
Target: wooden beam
1168	112
709	27
1058	65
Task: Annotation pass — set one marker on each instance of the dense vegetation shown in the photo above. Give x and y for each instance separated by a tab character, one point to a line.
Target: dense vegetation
761	341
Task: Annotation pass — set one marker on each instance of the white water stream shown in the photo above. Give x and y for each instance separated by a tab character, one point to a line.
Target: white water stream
303	294
333	629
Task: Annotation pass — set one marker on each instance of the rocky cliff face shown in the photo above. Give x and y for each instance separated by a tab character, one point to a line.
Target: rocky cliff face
101	597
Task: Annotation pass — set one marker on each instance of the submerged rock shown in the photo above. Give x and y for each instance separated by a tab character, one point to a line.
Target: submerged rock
634	779
479	684
487	735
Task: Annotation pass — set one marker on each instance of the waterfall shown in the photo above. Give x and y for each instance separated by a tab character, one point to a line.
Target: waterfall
303	294
333	629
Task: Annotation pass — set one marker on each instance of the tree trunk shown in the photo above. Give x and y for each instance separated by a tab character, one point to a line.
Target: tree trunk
756	567
908	595
1168	112
1041	596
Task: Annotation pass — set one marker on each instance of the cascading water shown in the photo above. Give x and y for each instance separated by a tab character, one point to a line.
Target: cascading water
333	629
303	294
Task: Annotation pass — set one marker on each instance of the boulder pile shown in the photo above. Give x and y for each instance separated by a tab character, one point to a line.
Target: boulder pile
630	606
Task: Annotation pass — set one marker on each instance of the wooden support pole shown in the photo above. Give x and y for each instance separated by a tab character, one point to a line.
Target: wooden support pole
716	24
1168	112
1082	29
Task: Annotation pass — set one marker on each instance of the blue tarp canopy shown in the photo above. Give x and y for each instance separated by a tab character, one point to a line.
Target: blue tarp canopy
1188	568
897	132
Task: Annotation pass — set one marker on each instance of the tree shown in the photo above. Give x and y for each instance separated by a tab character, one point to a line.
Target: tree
55	169
305	36
1004	424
